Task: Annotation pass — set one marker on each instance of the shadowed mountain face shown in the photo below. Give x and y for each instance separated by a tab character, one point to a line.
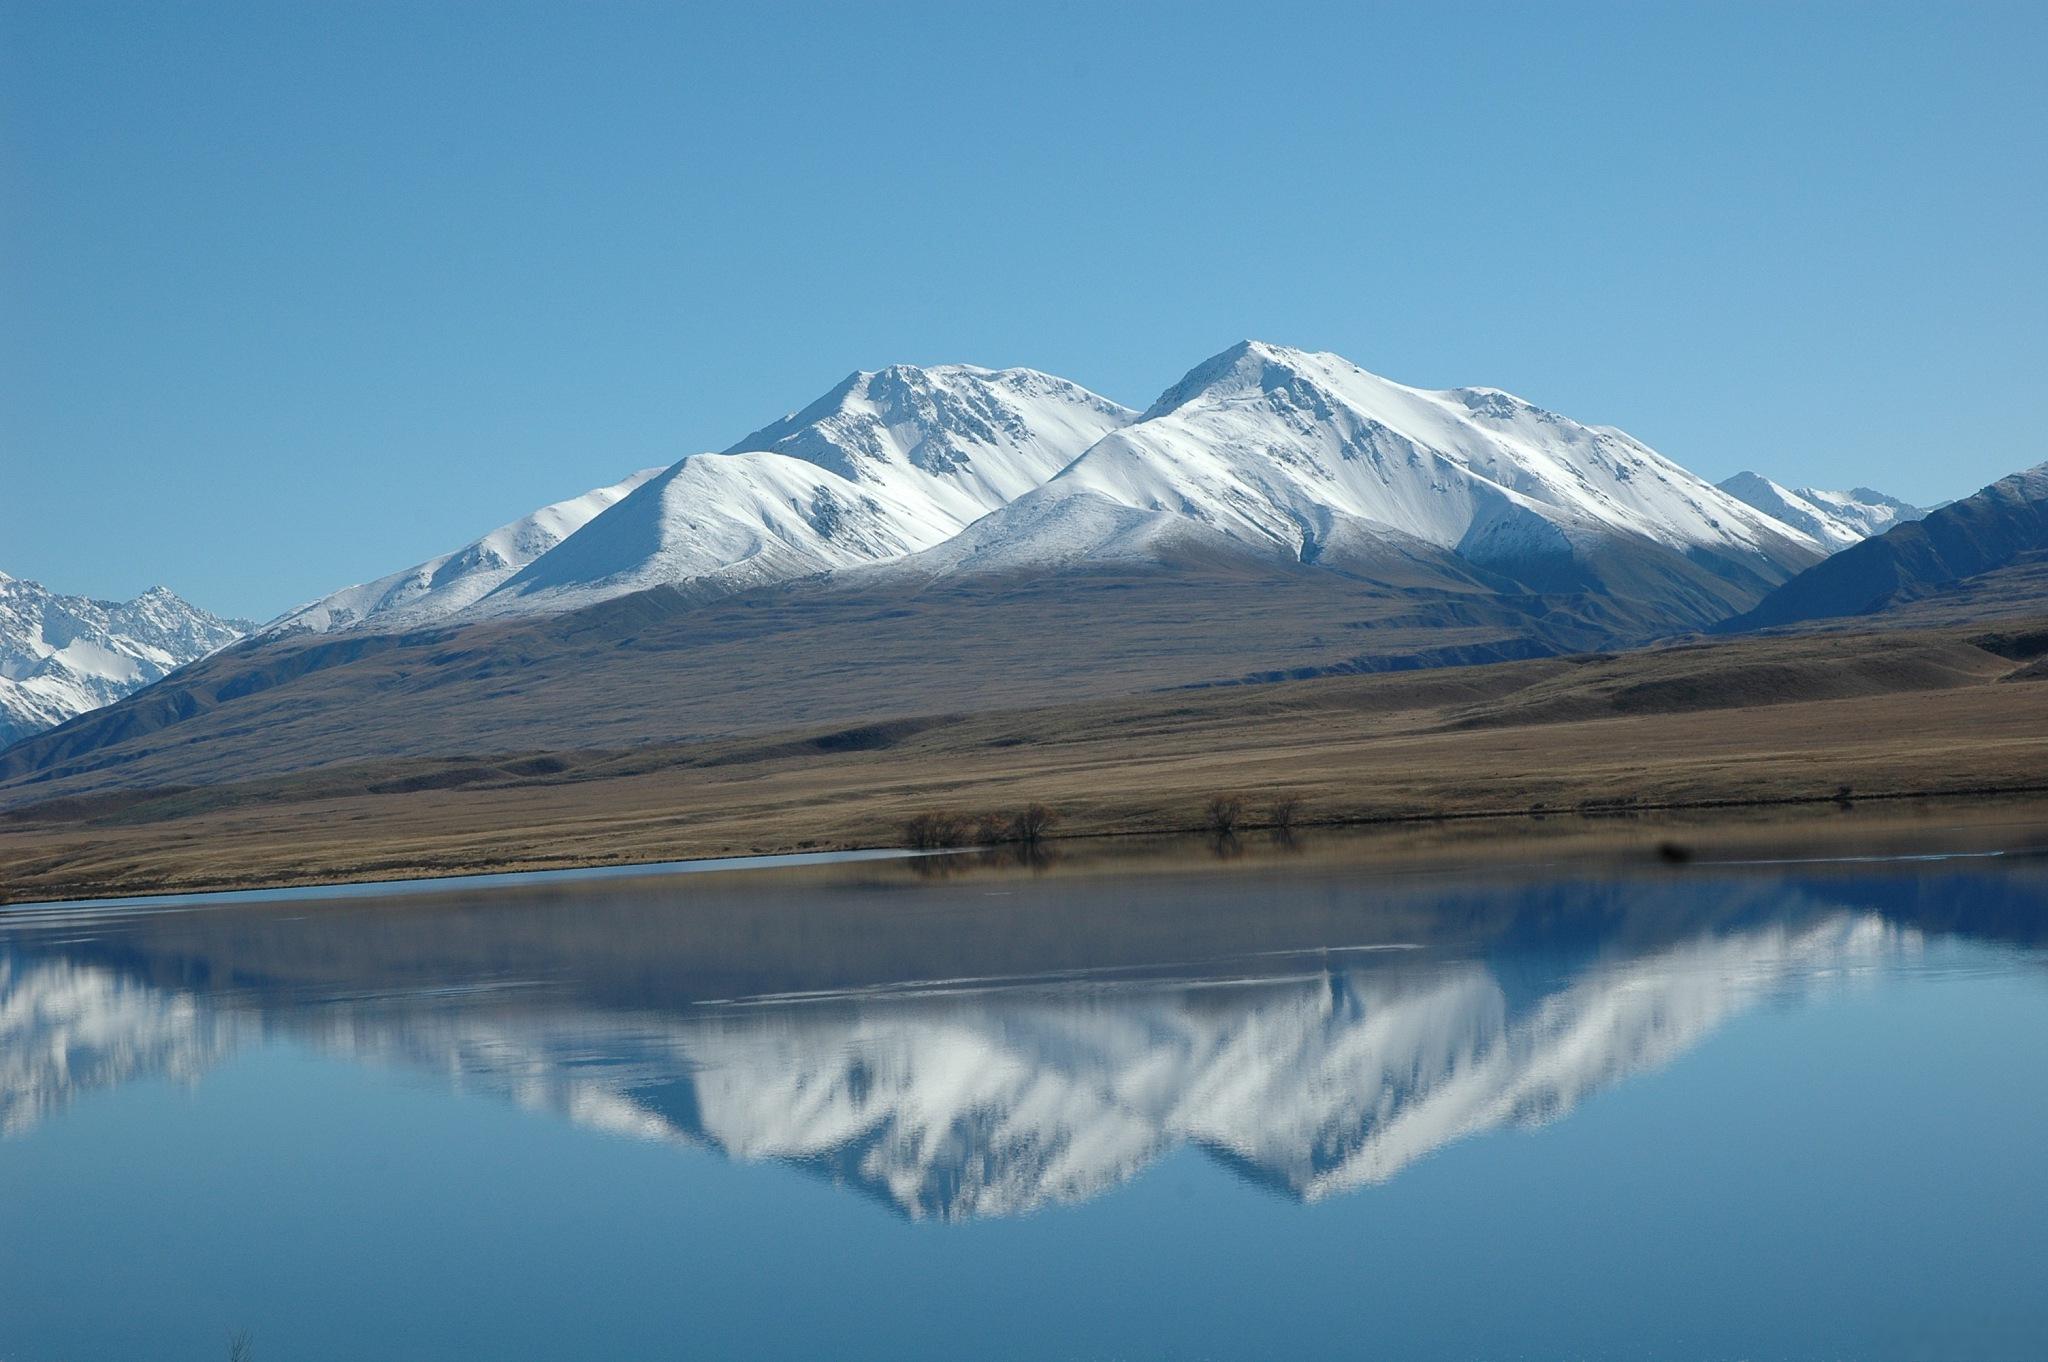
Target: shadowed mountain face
954	1060
1961	562
666	666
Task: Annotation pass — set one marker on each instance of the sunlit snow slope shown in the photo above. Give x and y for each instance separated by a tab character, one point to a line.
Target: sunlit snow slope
443	586
1308	457
884	464
1261	453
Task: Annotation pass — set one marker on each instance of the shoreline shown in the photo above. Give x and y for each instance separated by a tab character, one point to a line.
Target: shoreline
1652	831
1757	731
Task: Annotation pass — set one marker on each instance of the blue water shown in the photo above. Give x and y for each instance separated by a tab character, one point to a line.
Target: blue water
1278	1109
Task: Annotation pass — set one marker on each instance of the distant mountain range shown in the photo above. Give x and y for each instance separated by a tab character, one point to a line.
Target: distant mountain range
62	656
946	538
1835	519
1260	454
1971	552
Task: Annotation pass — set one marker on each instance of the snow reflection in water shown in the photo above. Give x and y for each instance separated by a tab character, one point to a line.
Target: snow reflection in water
997	1096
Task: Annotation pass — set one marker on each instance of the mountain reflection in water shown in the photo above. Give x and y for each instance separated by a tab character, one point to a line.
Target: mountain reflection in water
986	1047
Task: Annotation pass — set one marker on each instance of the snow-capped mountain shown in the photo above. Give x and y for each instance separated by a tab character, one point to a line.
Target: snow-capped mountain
732	520
1309	458
1260	453
443	586
960	439
1466	506
61	656
887	463
1834	519
883	465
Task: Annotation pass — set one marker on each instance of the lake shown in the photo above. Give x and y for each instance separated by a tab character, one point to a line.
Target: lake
1276	1104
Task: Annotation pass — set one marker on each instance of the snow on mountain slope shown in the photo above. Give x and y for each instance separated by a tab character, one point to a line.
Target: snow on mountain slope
1835	519
442	586
1065	526
1261	453
61	656
1309	456
960	439
728	519
885	464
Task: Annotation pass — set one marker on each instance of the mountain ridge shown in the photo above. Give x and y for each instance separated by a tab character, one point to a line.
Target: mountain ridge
62	656
443	585
1276	513
886	462
1837	519
1252	452
2003	526
1296	455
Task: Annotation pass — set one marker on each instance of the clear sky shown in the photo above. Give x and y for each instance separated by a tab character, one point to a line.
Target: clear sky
292	295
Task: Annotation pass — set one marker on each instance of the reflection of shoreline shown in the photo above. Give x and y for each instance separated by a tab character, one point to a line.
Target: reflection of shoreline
970	1102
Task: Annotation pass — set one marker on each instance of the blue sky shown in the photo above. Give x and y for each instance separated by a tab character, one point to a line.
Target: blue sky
295	294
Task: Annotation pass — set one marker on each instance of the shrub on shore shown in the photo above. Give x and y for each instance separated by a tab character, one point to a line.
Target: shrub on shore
1222	814
1032	823
1280	817
934	830
938	829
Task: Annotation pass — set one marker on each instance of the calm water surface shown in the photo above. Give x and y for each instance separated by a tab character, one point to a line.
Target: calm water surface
1274	1107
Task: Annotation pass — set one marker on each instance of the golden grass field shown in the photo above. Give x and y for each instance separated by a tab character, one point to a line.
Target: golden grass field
1757	723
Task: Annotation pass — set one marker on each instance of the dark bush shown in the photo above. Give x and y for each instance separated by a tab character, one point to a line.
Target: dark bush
1032	824
1222	814
934	830
1283	813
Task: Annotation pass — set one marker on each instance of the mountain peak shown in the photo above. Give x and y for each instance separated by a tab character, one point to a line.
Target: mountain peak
975	438
1248	366
1296	451
936	373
